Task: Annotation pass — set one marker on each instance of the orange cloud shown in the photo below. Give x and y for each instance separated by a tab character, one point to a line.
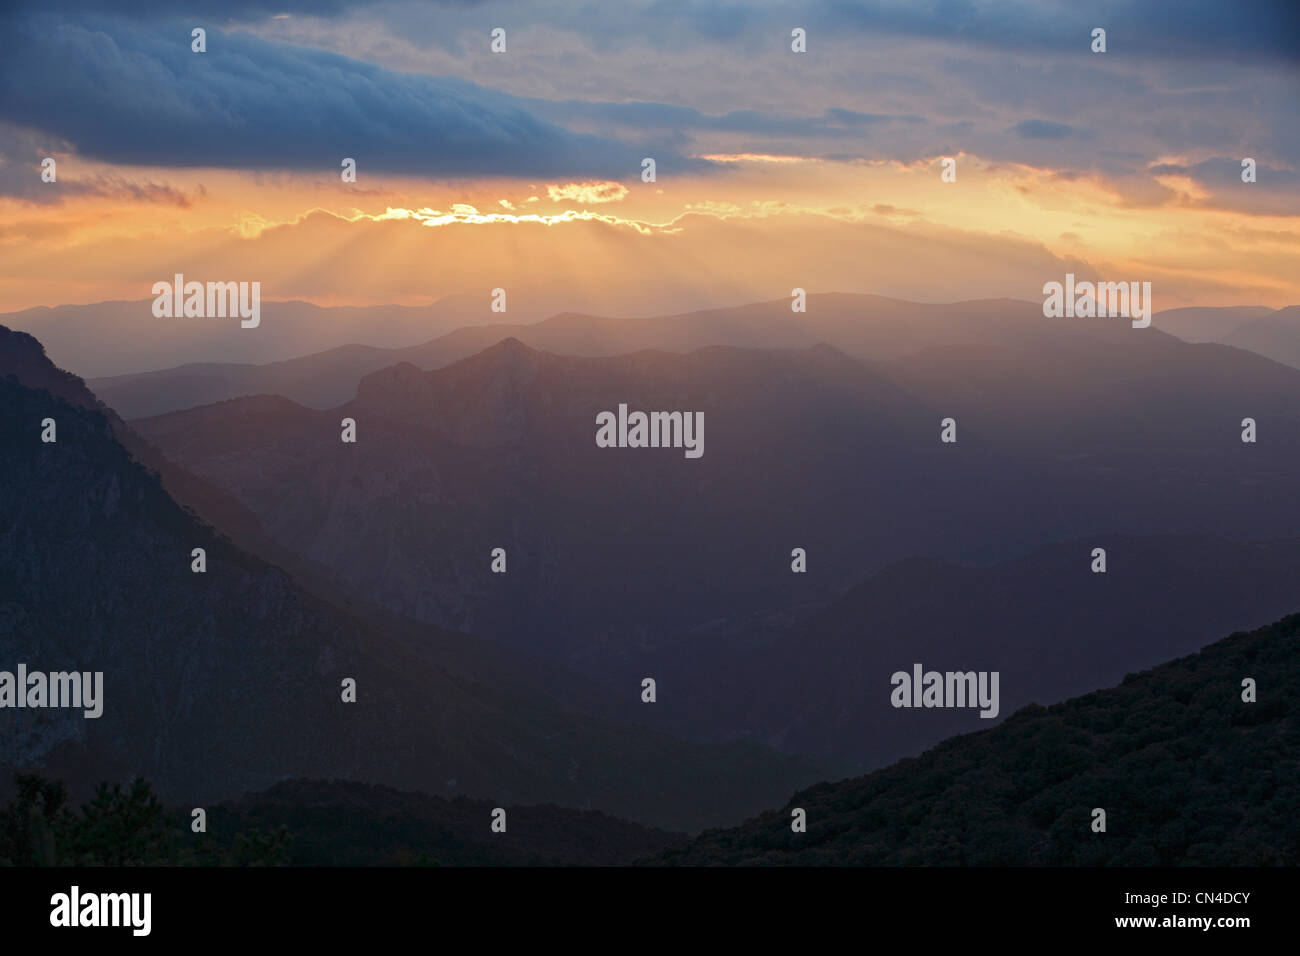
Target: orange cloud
591	192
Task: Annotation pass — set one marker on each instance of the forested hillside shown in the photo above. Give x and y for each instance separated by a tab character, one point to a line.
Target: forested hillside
1188	773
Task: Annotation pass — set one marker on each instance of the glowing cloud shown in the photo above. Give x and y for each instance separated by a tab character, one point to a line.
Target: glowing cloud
590	192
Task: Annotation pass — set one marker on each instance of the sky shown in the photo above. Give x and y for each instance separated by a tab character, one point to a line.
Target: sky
774	169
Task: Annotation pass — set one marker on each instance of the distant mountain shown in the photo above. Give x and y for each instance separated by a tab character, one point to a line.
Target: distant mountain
321	380
116	338
863	326
227	681
1113	431
800	449
1207	324
1186	772
1276	335
1272	333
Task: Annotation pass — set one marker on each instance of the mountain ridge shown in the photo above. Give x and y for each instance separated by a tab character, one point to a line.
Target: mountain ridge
328	379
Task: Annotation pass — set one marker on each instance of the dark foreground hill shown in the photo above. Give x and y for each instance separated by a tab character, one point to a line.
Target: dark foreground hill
1186	771
334	823
308	823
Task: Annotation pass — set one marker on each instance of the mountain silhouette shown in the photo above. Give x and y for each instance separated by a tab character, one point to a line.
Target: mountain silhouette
225	681
1276	335
499	451
864	326
1109	432
77	337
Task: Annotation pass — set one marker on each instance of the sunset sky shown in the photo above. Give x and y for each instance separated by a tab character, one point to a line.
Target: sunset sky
774	169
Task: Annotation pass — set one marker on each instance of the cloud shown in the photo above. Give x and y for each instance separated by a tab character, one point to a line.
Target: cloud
756	158
1043	129
1192	29
674	79
831	123
885	209
21	154
1216	183
894	81
591	192
220	9
134	94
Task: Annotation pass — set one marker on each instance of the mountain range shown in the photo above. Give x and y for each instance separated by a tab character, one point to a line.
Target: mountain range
864	326
627	563
123	337
225	681
1100	432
